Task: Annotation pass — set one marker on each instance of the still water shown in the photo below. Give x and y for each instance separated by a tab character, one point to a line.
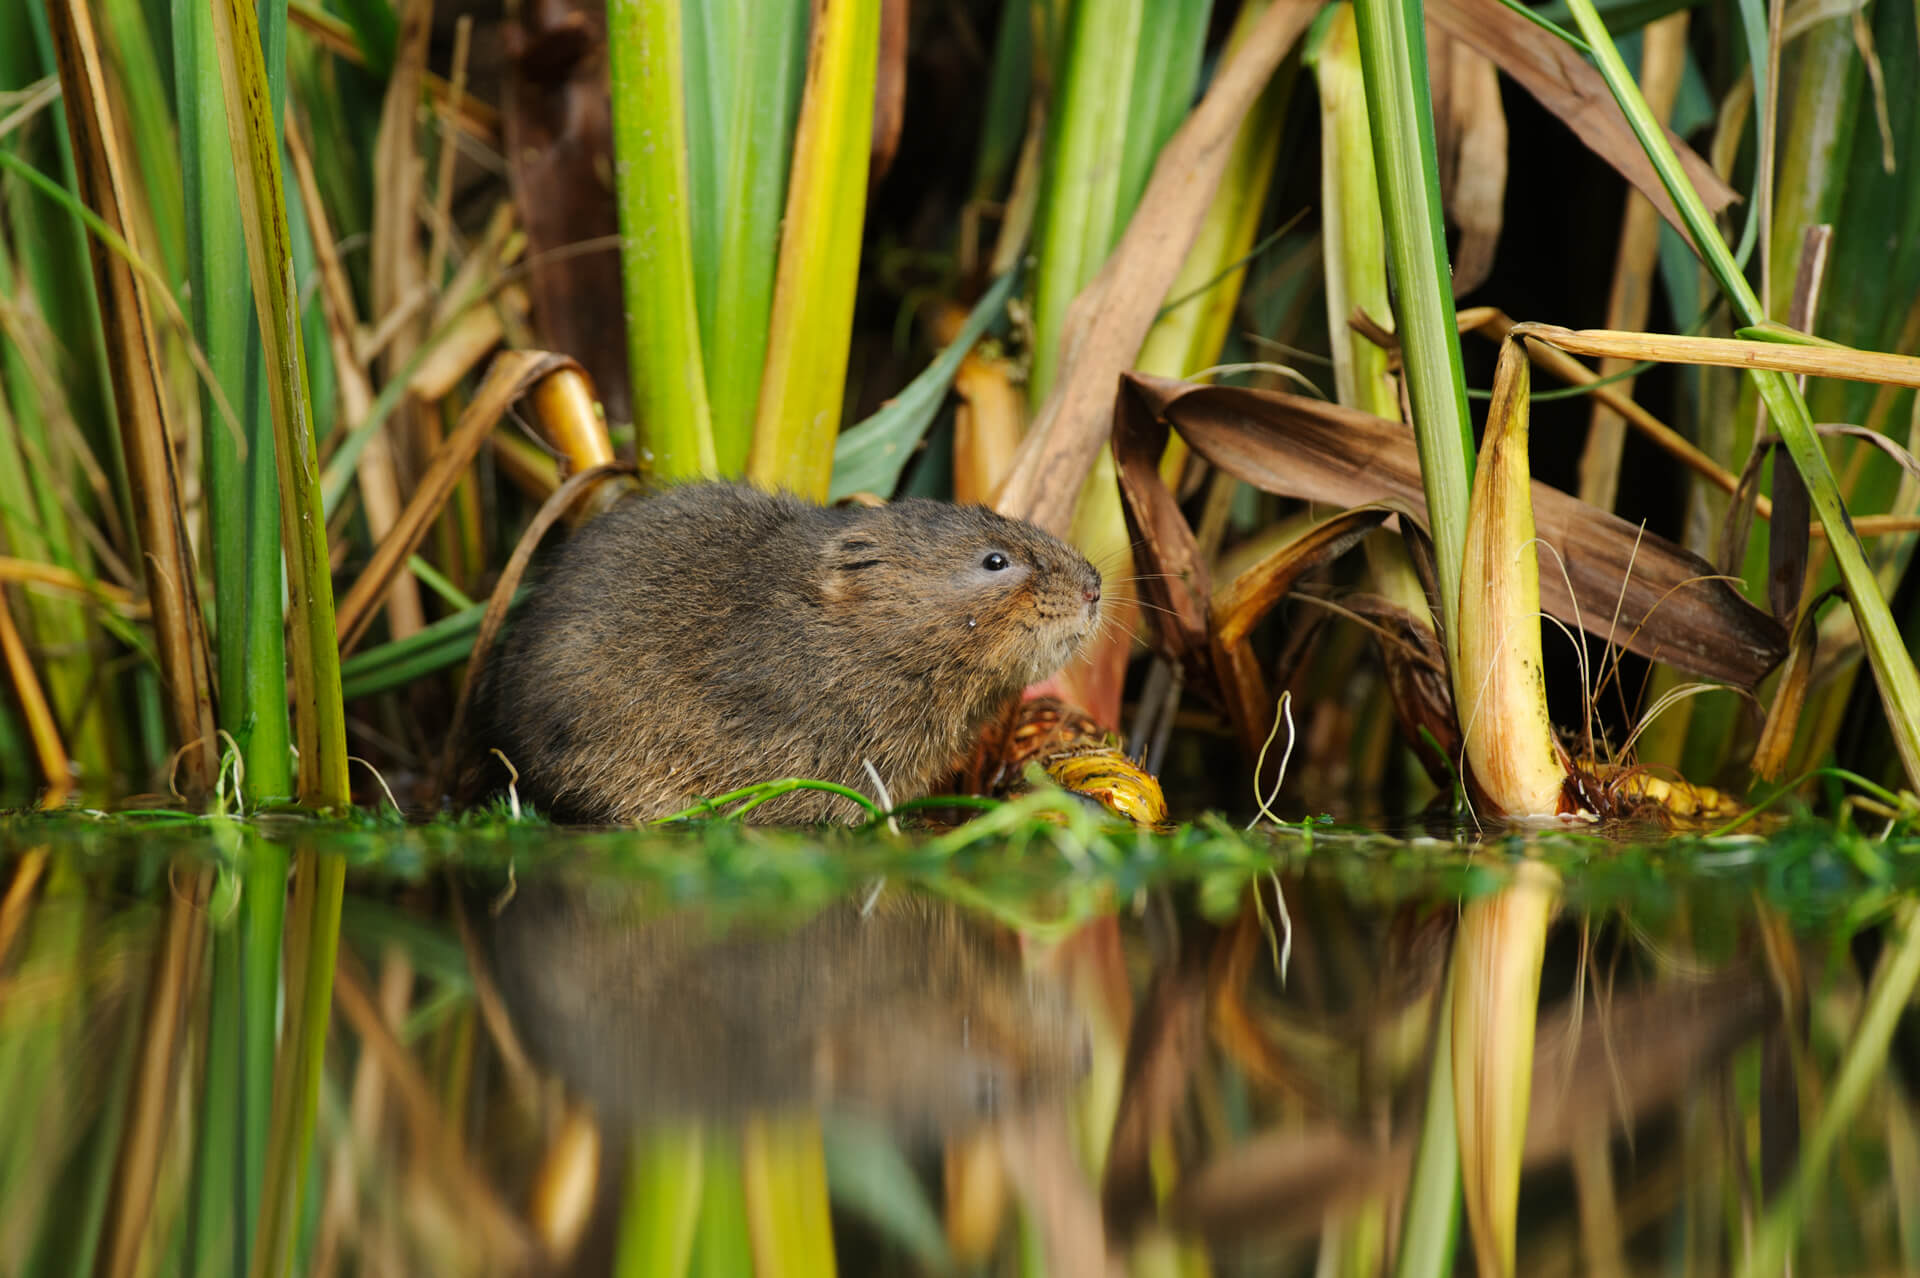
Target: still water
1045	1050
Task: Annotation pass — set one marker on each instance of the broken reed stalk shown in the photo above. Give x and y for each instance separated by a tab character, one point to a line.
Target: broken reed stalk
1756	348
1499	687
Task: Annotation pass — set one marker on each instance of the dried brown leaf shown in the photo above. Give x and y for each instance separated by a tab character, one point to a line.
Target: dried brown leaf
1670	605
1240	604
1109	319
1633	1054
1564	82
1175	582
1477	188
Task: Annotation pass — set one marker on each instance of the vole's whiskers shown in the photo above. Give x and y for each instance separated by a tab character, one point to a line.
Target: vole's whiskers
1113	557
1109	624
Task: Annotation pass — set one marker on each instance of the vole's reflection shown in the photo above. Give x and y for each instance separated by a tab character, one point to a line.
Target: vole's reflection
902	1007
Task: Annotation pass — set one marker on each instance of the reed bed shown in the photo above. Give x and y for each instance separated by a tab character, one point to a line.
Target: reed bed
309	312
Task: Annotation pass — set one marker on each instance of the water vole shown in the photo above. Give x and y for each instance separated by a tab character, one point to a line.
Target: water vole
687	644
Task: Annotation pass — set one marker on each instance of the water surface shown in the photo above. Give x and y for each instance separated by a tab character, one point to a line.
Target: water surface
1051	1049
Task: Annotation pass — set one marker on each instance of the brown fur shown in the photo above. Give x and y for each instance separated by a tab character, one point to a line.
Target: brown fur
713	637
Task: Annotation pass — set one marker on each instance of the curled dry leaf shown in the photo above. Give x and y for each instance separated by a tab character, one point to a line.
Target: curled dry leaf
1477	186
1176	584
1238	606
560	160
1670	605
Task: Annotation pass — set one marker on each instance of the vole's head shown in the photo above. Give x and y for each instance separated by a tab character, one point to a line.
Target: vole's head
997	595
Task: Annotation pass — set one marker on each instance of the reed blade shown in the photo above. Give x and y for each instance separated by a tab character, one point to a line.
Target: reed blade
811	325
656	250
254	136
1393	57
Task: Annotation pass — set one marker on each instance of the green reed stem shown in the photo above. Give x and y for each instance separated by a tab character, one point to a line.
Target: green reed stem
243	490
254	136
313	938
662	1203
1393	56
656	246
752	60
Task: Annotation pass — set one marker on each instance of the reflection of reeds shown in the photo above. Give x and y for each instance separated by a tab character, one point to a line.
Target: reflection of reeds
1252	1111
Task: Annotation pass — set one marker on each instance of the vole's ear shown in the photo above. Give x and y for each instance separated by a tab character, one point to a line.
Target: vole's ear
848	561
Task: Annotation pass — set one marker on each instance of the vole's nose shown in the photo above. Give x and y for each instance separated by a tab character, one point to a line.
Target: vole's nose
1092	593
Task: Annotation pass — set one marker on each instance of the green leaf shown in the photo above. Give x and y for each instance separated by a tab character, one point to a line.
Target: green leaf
254	137
1163	84
656	240
243	488
376	30
869	457
867	1173
1087	147
752	150
811	324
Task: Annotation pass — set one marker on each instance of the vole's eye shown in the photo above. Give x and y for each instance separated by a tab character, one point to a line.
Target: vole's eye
995	562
